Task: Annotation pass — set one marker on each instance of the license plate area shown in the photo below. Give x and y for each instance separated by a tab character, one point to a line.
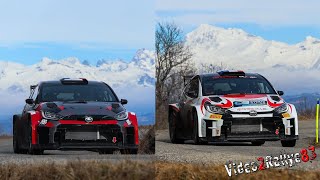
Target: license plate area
248	125
88	133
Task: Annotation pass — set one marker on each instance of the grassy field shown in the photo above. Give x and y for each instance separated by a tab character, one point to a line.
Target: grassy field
137	170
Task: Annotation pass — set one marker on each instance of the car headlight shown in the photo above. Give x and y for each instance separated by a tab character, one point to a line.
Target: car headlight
281	109
122	115
214	109
50	115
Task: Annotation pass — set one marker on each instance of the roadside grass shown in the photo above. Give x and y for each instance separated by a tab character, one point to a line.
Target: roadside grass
88	170
195	171
138	170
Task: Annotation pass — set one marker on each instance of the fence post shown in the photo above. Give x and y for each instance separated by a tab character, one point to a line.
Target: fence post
317	121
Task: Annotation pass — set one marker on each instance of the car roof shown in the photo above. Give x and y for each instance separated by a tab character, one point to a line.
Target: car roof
59	82
218	75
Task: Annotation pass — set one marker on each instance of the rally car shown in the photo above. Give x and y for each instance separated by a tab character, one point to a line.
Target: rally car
74	114
232	106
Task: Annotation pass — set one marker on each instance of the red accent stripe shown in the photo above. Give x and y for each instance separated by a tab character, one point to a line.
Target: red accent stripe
35	118
273	105
133	119
227	105
290	108
83	122
202	103
175	108
244	95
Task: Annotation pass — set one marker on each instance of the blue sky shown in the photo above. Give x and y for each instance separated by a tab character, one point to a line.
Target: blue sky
288	21
89	30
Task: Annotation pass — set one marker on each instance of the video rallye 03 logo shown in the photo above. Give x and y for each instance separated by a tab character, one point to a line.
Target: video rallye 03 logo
263	163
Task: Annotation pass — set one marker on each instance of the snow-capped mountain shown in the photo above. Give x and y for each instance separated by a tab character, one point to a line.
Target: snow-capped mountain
236	48
138	72
292	68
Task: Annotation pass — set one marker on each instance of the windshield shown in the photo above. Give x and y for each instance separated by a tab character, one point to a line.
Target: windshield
76	93
236	85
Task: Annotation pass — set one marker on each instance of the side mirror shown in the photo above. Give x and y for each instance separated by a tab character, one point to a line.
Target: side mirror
280	93
30	101
124	101
192	94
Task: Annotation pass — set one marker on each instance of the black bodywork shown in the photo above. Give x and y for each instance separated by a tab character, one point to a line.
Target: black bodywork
73	124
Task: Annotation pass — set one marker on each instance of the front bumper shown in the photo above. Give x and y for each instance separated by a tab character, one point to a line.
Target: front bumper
75	136
251	128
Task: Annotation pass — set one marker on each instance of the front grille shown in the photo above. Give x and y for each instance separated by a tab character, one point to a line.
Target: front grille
82	117
252	125
88	133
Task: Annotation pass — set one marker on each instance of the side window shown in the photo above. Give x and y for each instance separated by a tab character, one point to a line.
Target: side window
186	90
193	90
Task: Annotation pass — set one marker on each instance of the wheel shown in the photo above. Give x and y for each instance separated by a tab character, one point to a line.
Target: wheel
288	143
196	138
257	142
15	142
36	151
173	129
30	149
105	151
129	151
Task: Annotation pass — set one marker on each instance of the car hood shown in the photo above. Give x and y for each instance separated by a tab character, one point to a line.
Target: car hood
247	102
85	108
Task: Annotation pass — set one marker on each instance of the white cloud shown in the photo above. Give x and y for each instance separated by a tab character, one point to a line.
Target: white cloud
265	13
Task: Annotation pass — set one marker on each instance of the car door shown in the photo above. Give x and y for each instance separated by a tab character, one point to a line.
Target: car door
191	94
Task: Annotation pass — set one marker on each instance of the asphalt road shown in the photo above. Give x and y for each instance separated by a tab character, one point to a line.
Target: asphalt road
49	156
220	153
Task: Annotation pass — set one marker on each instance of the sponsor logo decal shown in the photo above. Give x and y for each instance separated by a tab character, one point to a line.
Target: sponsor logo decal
286	115
215	116
249	103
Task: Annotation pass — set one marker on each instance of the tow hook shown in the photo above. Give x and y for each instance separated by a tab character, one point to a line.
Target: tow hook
277	131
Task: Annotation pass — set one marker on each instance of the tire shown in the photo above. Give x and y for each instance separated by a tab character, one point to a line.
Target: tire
288	143
196	139
105	151
257	142
173	129
129	151
15	142
30	149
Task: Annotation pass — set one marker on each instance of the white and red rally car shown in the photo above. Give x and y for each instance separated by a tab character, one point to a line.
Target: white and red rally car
232	106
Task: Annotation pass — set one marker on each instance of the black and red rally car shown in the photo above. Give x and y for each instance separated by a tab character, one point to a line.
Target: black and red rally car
74	114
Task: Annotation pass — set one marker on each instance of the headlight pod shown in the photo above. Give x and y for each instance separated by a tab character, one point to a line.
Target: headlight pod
50	115
213	108
282	108
122	116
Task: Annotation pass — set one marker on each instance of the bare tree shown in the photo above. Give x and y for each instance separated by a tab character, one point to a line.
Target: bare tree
172	63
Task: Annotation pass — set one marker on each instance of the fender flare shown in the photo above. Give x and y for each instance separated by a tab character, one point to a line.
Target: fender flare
294	114
174	107
134	120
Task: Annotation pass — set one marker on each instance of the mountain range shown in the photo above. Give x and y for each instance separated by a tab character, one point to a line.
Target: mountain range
293	68
236	48
132	80
140	71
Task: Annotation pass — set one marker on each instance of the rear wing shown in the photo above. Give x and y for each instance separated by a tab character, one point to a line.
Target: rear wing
186	79
32	90
231	73
68	81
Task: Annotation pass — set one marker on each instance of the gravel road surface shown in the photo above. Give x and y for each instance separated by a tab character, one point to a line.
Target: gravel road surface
219	153
49	156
